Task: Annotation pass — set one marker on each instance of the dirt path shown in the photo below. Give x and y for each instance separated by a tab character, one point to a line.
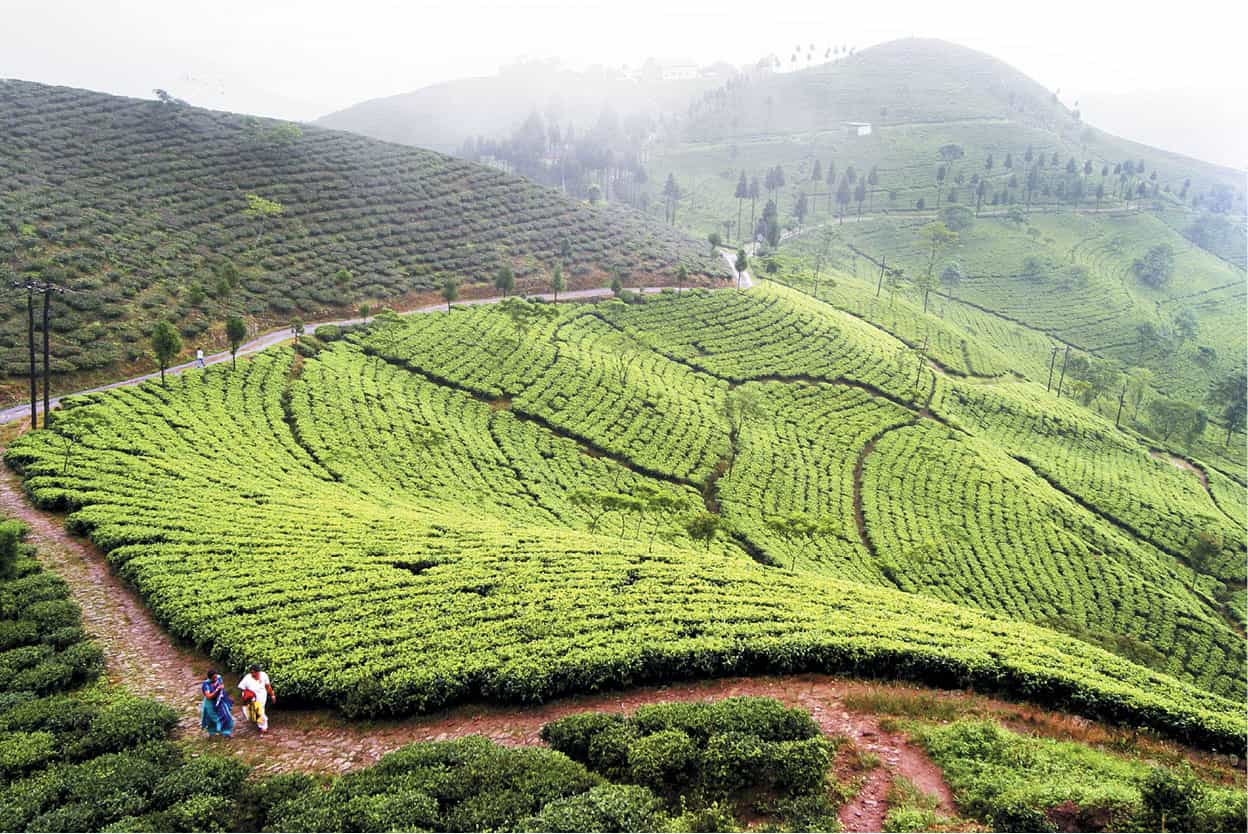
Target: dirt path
1182	463
144	659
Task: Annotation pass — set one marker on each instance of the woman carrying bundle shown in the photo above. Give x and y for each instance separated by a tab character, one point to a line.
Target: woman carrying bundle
214	713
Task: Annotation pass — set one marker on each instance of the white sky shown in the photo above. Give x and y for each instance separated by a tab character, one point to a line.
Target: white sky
300	60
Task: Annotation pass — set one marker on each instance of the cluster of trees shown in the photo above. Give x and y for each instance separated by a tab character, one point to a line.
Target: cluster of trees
600	163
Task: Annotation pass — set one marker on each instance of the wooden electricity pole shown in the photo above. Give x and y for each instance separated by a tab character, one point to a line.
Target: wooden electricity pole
1048	386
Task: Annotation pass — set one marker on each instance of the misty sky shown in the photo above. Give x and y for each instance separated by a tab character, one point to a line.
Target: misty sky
300	60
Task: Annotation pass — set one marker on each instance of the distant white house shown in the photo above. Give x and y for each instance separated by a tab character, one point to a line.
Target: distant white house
679	72
858	128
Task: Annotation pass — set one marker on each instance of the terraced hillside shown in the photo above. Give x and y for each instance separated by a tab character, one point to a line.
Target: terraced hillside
147	210
486	504
1057	223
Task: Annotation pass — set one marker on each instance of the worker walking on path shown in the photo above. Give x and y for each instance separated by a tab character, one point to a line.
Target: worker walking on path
257	693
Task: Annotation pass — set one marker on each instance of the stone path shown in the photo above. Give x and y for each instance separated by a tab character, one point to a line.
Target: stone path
144	659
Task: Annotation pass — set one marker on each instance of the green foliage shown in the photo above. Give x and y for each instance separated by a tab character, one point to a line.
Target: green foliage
87	761
133	238
486	474
602	808
703	752
1019	783
470	784
1156	268
166	344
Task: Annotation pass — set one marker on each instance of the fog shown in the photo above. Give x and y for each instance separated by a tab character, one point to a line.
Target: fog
301	60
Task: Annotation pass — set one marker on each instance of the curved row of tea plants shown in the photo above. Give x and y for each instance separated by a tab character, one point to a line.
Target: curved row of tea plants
258	521
961	521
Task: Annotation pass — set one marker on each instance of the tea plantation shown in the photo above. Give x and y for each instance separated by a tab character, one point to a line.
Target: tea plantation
144	210
517	502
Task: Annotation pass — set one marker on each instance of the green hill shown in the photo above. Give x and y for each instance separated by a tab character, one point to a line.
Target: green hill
137	206
1055	220
484	505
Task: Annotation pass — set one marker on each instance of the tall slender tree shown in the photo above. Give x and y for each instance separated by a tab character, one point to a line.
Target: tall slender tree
166	344
235	333
743	191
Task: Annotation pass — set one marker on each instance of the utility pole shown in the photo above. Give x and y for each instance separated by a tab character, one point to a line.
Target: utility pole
30	342
918	374
1048	386
1122	398
880	283
45	288
48	289
1062	378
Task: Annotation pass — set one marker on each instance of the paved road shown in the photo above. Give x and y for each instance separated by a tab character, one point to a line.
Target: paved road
275	337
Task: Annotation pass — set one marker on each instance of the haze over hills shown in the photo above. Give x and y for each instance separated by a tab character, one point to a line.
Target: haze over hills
443	115
1178	120
957	463
142	209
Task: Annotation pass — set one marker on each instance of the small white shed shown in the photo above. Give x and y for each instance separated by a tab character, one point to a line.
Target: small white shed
858	128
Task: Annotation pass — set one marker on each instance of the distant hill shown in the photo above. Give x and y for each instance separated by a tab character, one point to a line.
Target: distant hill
913	81
443	115
137	206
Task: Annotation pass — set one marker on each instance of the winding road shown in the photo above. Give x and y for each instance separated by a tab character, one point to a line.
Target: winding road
277	337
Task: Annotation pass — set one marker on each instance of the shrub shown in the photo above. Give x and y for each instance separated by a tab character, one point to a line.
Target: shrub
603	808
216	776
664	761
328	333
572	735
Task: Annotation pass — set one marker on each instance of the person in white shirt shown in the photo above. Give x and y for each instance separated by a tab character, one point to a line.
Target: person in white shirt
199	357
257	693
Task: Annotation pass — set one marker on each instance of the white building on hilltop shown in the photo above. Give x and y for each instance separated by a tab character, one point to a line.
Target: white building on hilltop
858	128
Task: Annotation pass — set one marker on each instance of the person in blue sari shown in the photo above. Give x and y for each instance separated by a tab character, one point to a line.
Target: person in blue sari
215	716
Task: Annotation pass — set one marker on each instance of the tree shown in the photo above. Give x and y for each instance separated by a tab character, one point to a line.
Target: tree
738	407
296	328
830	180
952	277
980	191
860	195
260	210
842	197
504	280
742	193
450	291
873	179
702	527
525	314
754	194
1169	416
671	195
1156	267
72	427
682	275
1138	382
800	210
166	343
740	265
1230	394
715	240
797	531
235	333
936	236
557	282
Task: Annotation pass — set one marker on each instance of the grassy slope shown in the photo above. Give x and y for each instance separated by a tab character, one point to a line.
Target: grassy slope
936	94
458	508
138	203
